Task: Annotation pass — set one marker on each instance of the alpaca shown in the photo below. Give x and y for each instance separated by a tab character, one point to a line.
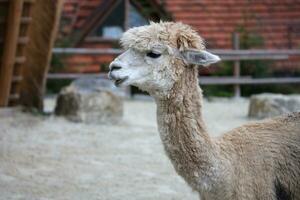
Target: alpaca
255	161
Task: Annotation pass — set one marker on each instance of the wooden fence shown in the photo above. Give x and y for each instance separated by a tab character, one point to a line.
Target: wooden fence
235	55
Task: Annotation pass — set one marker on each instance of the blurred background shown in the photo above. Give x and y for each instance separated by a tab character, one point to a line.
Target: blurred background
263	25
66	132
258	42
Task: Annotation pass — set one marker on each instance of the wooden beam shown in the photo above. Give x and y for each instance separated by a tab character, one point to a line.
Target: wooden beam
24	20
29	1
100	14
203	80
25	1
224	54
228	57
21	40
100	39
246	80
256	51
14	96
10	47
20	60
126	13
83	51
42	32
142	6
58	76
17	78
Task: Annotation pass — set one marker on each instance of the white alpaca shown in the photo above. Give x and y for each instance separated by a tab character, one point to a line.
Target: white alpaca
254	161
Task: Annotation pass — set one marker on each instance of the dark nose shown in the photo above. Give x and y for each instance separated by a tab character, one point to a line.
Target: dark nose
115	67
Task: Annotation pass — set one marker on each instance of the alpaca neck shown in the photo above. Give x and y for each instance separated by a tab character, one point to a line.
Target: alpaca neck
183	131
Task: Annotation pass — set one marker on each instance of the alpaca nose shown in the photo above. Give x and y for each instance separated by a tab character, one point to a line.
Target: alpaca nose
113	67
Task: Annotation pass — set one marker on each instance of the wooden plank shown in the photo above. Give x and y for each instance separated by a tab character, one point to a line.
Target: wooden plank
227	57
20	60
14	97
24	20
246	80
84	51
17	78
126	20
255	54
224	54
12	33
101	13
29	1
256	51
21	40
42	33
76	75
99	39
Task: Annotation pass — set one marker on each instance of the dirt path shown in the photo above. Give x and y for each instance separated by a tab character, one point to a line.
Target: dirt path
52	158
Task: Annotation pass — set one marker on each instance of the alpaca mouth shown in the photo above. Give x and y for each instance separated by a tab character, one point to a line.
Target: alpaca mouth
119	81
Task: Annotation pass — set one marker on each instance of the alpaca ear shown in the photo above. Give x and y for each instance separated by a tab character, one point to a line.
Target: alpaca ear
199	57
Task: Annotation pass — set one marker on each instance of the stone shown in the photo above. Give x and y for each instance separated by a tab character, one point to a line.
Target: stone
270	105
90	100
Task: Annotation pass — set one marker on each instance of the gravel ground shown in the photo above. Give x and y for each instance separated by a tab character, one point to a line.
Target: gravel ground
46	157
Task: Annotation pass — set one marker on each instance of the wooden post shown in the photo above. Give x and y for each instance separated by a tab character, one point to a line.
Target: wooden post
10	47
42	32
237	65
126	17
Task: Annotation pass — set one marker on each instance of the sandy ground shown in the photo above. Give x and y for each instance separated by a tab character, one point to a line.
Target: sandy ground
52	158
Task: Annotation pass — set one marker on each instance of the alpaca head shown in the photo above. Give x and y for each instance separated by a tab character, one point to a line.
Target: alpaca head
156	55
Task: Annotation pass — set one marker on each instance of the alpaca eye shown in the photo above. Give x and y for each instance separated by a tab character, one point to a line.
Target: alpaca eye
153	55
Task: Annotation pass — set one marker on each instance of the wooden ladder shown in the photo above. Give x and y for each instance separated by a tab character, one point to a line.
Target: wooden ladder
15	19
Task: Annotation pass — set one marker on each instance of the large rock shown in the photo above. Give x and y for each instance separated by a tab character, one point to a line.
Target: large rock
270	105
90	100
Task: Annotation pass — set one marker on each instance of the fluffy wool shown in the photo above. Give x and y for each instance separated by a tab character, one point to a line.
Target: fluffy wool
255	161
176	35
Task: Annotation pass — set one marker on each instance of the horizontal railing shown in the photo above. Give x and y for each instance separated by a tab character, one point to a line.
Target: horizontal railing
223	53
204	80
226	55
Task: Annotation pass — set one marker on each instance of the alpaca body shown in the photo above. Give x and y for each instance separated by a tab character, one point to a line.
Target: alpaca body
255	161
265	158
